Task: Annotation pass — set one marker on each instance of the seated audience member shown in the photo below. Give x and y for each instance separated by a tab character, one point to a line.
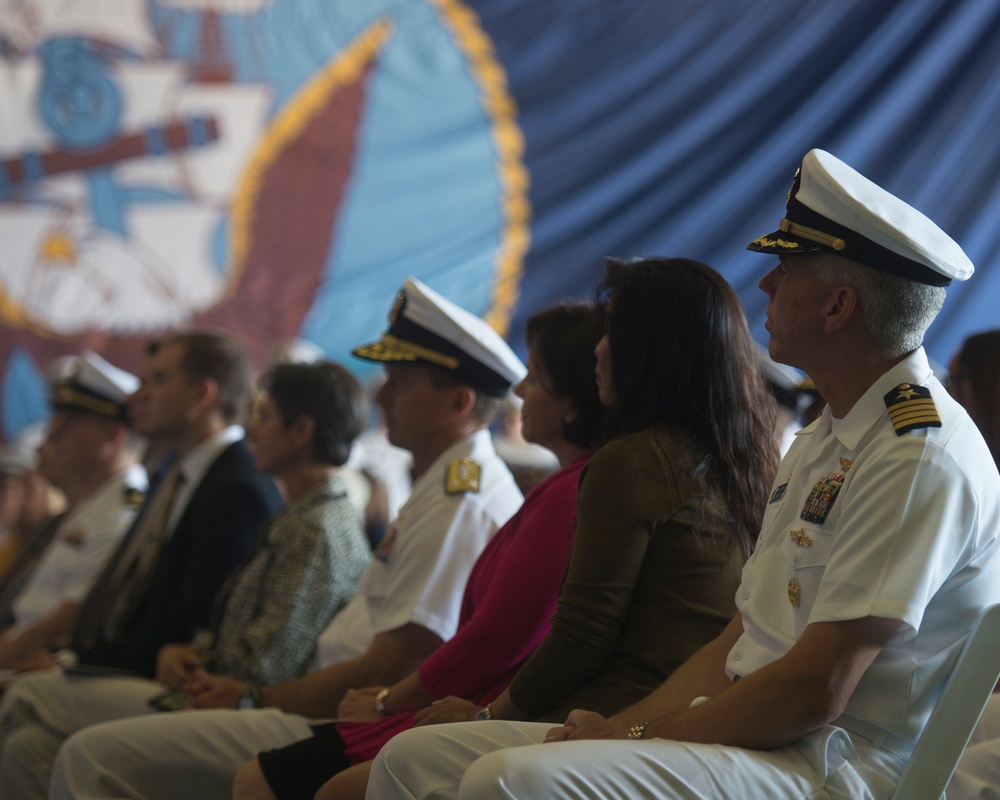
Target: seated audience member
877	552
33	526
313	552
198	526
512	590
666	511
974	380
446	371
15	461
89	454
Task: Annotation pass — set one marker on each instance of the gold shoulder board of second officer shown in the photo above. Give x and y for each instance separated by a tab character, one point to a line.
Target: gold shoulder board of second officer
462	476
134	496
911	408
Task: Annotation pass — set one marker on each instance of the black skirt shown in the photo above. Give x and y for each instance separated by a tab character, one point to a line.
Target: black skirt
298	771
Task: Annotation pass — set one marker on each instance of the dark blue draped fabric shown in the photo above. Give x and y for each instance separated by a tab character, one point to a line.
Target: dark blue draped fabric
674	128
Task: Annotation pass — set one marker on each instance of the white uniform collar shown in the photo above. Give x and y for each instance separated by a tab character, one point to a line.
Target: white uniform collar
871	406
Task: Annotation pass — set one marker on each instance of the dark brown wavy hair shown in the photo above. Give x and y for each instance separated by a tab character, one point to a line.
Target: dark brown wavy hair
682	357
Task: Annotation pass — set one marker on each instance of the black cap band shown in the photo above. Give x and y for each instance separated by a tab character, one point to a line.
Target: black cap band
857	247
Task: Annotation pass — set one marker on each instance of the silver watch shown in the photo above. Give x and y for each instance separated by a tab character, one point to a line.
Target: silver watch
249	699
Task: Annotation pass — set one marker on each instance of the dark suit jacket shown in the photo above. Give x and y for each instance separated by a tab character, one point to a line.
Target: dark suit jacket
215	535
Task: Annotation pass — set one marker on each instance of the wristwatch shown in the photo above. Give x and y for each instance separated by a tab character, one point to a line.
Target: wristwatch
249	699
380	699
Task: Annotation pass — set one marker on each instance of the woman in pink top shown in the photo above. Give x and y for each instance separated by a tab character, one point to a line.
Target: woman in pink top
512	590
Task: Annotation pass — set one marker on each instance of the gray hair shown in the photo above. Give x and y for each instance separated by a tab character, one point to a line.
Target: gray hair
896	312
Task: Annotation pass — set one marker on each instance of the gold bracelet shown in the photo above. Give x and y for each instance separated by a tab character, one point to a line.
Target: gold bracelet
636	731
380	699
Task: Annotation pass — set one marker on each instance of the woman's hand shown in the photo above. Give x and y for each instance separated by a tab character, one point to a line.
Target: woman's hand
358	705
448	709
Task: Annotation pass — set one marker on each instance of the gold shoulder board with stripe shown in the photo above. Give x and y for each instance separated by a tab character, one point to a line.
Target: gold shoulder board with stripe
911	408
134	496
462	476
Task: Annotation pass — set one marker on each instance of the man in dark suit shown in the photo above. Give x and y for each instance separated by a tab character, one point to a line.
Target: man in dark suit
198	526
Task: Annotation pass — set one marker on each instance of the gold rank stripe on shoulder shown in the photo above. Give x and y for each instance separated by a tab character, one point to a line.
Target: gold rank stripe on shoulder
911	408
134	496
462	476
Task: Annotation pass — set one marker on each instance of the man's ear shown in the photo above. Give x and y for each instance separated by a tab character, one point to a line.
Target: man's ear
206	392
115	437
463	401
841	305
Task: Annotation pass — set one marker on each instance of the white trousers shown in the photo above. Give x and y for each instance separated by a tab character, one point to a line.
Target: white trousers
507	761
978	774
39	710
180	754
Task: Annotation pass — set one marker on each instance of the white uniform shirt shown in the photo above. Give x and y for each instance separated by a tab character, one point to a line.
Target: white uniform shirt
86	539
910	535
420	568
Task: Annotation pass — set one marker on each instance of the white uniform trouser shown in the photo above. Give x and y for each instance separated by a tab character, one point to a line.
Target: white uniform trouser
170	755
978	774
504	761
40	710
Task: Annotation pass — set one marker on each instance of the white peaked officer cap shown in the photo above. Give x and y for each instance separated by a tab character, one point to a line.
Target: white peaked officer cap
425	327
95	386
834	208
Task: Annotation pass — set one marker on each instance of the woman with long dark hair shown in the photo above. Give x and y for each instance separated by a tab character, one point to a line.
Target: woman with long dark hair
667	512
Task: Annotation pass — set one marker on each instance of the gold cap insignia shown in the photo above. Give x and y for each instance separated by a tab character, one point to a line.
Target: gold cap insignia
397	306
462	476
134	496
911	408
794	593
767	241
800	537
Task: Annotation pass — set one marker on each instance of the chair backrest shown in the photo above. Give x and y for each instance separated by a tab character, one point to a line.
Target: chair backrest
954	718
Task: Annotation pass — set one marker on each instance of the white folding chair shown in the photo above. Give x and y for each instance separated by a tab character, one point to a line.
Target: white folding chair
954	718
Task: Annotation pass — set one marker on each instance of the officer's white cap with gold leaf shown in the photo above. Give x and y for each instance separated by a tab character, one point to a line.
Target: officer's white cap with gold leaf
834	208
424	327
94	385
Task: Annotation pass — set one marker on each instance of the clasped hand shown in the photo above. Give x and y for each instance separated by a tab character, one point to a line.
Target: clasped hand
447	709
358	705
176	664
212	691
582	724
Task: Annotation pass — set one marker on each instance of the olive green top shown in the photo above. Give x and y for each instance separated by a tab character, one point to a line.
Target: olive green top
643	590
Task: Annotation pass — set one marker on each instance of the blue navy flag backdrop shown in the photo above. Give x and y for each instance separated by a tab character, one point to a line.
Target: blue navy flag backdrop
277	167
